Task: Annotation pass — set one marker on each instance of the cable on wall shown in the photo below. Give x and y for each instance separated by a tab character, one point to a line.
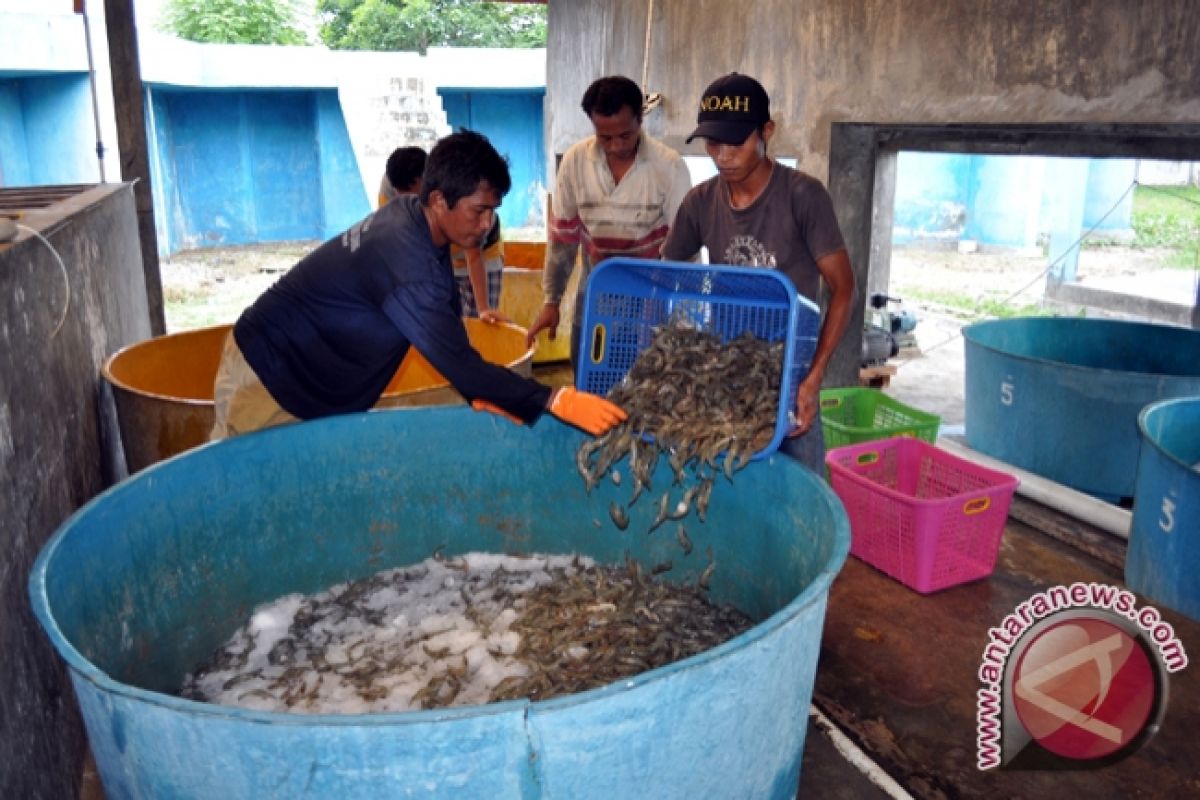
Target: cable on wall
649	99
62	266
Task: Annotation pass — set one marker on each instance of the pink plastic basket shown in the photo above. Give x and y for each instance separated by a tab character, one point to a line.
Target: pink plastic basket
923	516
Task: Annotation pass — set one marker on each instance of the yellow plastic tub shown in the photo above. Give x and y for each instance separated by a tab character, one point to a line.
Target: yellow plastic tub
521	298
163	387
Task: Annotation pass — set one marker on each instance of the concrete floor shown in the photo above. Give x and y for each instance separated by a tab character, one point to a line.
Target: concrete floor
929	377
899	673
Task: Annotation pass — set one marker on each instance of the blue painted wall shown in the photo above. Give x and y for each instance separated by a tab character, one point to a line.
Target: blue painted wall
512	120
167	220
1000	192
930	196
1007	201
47	132
283	160
249	166
14	155
1108	180
343	197
1066	184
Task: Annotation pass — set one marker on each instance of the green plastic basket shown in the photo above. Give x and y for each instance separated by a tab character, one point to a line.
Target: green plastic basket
853	416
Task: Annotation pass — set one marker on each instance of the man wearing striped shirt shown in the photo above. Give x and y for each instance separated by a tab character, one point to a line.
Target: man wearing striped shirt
616	195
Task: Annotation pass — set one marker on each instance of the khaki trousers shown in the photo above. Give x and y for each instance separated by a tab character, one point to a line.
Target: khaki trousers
240	402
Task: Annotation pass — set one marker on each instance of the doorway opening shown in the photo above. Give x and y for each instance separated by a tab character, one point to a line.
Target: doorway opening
868	160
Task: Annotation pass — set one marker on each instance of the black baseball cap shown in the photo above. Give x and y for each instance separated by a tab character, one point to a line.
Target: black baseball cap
732	108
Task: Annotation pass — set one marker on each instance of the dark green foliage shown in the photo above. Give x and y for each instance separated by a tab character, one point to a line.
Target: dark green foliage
420	24
233	21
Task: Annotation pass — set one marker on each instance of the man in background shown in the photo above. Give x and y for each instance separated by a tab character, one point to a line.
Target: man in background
402	174
616	195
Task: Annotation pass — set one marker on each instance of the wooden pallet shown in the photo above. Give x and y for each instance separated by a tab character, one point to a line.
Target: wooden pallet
877	377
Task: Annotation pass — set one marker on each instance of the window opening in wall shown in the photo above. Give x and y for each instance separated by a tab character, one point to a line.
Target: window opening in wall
999	235
978	235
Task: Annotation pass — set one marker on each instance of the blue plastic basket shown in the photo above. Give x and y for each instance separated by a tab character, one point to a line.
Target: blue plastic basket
627	298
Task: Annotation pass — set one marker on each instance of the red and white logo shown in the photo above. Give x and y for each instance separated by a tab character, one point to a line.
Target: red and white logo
1084	688
1074	674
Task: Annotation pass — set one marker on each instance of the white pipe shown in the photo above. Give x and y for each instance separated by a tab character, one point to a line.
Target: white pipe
857	758
1082	506
87	36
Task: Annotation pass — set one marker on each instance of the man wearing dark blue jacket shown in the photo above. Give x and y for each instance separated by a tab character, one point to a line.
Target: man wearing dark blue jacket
329	335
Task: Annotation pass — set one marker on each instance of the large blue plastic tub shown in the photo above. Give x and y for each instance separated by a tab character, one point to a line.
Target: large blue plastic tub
147	579
1164	540
1060	397
627	298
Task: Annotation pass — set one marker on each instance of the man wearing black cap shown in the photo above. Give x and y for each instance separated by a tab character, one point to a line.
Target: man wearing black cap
757	212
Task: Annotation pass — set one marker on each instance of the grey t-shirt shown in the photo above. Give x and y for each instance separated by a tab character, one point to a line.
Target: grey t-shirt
788	227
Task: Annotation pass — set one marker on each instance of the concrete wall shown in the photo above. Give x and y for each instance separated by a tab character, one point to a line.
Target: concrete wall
906	61
1169	173
382	101
930	199
837	70
58	448
341	185
14	150
1108	204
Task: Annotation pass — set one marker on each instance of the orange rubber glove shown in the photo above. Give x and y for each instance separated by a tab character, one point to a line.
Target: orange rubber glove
492	408
584	410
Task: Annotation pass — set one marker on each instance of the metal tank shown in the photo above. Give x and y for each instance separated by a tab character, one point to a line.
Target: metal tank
150	577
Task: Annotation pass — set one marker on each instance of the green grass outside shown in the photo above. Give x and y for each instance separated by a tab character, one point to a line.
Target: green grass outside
1169	217
979	307
187	310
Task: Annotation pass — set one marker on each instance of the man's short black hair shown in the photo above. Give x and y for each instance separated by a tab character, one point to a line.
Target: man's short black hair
459	162
404	167
607	96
